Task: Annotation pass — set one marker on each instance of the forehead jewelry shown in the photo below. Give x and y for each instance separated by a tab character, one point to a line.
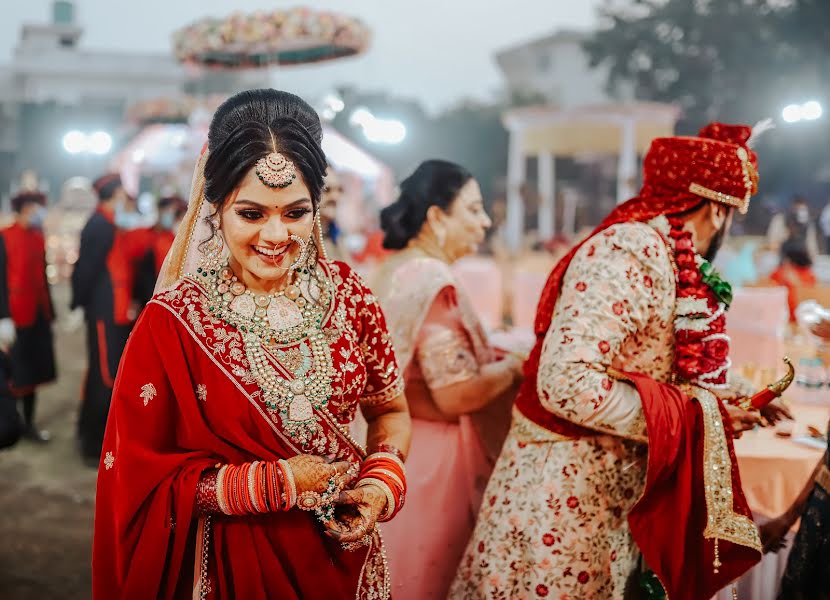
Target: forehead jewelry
275	170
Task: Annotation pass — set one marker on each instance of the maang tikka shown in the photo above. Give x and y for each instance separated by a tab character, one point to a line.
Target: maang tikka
275	170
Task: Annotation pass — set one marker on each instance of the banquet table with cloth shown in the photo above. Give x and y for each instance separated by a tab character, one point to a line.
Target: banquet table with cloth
773	472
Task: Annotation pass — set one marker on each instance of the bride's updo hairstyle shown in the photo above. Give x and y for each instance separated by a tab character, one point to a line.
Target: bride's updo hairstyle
251	125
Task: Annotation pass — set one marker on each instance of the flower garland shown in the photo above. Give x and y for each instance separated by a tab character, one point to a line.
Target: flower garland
701	355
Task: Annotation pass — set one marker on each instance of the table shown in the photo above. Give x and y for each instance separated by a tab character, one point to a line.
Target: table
773	473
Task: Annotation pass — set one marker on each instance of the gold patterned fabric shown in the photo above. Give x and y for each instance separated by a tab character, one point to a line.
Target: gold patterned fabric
723	523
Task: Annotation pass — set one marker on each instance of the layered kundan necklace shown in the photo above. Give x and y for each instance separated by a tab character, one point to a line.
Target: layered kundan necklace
701	355
293	315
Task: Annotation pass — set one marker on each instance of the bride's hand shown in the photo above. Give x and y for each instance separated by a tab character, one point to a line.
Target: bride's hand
359	511
313	473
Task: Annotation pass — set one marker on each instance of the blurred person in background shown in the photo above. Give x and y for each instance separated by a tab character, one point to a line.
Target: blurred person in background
452	374
795	223
26	305
807	574
102	284
794	272
171	210
11	427
824	224
332	235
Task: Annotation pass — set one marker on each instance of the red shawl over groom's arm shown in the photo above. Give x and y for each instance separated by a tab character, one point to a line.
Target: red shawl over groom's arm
692	523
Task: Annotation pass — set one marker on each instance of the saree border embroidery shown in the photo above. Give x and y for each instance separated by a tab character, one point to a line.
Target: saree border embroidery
372	588
201	582
721	520
226	369
446	358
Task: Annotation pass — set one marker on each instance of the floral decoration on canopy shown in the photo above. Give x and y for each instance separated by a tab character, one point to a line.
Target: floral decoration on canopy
280	37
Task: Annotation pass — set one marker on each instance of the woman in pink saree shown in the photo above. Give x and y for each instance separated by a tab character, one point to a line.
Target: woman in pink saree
457	385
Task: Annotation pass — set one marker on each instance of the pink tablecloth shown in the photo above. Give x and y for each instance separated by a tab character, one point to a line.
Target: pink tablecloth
773	469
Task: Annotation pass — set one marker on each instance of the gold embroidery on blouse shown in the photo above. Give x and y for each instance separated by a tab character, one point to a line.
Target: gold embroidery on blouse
445	358
721	520
387	395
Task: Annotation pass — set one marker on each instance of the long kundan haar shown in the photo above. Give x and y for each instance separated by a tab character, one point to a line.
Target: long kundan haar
291	401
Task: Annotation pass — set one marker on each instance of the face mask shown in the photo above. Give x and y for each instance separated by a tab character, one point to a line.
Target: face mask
37	217
167	221
802	215
126	220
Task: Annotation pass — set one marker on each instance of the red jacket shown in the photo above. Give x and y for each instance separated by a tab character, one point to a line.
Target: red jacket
28	290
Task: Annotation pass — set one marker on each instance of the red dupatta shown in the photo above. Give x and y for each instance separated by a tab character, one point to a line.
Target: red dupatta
183	402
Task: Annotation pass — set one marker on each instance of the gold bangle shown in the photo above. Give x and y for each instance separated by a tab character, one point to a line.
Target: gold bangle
252	484
390	497
220	490
290	483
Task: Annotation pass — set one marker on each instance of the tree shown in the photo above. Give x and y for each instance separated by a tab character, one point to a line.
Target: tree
728	60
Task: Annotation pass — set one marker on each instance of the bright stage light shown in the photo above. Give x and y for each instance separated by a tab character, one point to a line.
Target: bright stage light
100	142
74	142
810	111
385	131
791	113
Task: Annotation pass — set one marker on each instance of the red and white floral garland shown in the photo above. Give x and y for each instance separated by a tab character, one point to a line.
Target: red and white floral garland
701	354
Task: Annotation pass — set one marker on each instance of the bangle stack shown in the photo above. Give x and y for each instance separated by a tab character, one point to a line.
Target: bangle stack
252	488
385	470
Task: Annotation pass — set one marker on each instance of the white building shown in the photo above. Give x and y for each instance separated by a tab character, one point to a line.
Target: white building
555	68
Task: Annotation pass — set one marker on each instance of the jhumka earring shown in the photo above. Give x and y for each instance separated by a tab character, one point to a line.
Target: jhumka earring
321	241
211	260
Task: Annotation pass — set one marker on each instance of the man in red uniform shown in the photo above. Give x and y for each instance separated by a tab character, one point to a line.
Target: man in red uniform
25	300
171	210
102	284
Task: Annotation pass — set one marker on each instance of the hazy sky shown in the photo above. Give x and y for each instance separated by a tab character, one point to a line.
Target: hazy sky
438	51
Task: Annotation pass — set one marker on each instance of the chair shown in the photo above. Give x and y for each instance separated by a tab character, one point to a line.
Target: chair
481	279
757	322
526	288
